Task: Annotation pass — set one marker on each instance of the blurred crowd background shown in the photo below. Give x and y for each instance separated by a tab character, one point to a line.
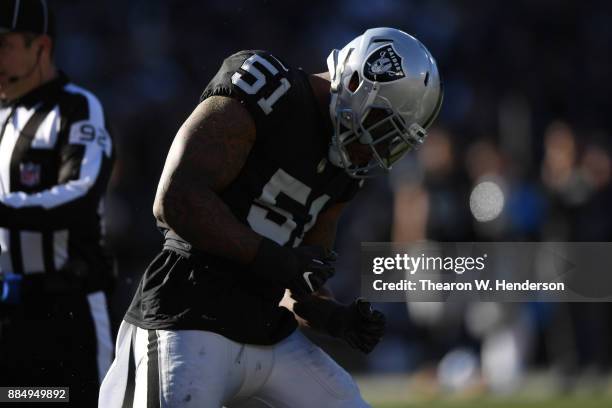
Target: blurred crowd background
526	107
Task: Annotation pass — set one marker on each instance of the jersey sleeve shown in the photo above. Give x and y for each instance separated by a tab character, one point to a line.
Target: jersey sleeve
257	79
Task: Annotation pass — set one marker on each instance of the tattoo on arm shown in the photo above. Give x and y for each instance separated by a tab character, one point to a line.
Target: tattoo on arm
206	155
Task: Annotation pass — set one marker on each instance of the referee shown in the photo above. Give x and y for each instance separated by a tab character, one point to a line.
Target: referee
55	160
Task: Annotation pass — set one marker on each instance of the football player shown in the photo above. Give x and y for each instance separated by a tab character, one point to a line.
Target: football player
248	202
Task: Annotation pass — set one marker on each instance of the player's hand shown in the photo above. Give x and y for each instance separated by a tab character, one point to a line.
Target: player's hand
314	266
365	327
303	270
358	324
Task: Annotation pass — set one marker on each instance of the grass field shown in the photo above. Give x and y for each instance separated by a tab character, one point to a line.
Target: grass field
535	392
570	402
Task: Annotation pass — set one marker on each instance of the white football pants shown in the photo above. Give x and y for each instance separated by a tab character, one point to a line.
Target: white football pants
201	369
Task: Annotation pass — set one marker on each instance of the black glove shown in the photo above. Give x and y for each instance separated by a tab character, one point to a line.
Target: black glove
303	270
359	325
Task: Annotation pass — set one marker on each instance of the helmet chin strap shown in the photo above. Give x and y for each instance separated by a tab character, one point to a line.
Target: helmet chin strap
334	156
337	155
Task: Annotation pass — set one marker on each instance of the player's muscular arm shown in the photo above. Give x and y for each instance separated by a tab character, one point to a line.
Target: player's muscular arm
206	155
324	231
358	324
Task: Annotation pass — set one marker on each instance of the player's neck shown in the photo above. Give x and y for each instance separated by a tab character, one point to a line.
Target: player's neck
47	73
320	84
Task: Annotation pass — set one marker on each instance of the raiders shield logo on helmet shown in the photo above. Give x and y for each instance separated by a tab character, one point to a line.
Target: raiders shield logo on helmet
384	65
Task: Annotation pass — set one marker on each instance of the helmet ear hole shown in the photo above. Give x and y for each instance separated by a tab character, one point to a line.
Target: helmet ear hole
353	82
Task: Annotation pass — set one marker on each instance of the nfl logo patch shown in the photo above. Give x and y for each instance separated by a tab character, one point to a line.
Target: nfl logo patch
29	174
384	65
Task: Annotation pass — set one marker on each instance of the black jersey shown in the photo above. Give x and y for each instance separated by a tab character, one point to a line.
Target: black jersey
287	180
285	183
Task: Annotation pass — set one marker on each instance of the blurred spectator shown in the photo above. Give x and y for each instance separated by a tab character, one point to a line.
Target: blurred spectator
578	201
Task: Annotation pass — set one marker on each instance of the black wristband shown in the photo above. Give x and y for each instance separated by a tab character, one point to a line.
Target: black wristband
273	262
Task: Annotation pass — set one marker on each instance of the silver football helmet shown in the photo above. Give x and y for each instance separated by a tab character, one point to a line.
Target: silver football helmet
385	92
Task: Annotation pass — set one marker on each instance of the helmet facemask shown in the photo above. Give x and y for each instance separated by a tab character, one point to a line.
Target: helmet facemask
382	129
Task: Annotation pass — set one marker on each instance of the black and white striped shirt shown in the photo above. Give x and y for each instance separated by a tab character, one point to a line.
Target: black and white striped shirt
55	161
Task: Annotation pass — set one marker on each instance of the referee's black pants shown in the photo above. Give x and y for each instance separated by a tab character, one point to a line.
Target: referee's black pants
51	340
